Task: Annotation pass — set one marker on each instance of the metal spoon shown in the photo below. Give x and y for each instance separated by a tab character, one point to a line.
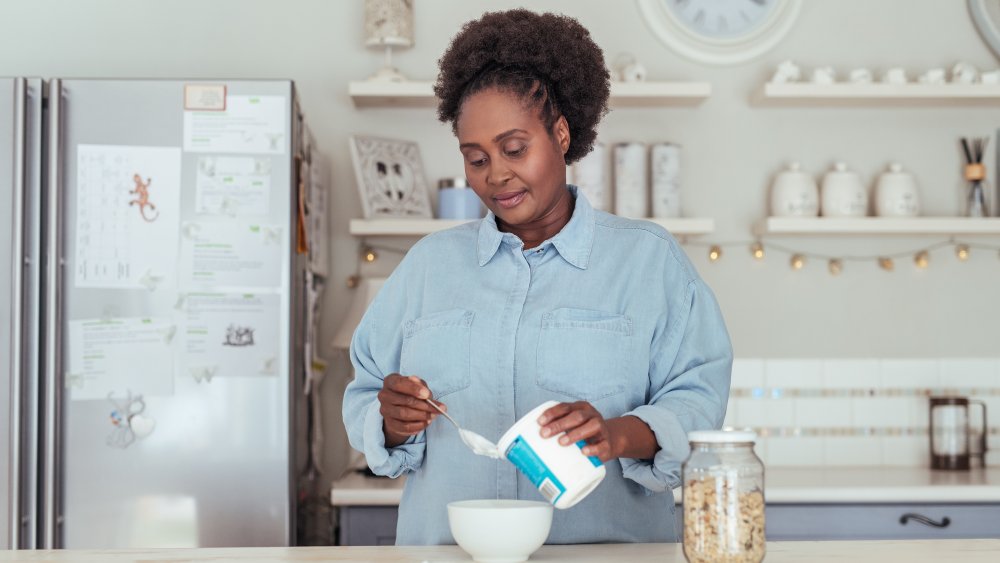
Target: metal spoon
475	442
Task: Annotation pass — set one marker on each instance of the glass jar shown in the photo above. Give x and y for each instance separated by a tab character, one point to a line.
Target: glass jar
457	200
723	498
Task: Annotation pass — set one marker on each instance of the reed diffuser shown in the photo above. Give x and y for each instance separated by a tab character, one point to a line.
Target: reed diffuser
975	174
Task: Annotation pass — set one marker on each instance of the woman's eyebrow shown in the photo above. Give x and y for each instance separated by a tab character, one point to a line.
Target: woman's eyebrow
496	139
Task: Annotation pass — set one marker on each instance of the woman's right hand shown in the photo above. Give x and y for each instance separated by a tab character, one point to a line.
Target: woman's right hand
404	408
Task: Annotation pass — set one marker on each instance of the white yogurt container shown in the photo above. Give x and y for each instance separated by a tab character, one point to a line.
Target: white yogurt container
563	474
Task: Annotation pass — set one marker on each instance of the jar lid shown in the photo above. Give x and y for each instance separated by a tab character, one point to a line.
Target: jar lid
454	182
726	436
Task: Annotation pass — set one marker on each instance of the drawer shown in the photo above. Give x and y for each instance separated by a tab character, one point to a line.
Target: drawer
881	521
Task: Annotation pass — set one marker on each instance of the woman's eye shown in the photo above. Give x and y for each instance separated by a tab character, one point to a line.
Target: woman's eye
476	159
516	151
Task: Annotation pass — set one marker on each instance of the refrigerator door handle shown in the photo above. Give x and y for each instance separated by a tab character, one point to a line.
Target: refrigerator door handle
18	375
51	403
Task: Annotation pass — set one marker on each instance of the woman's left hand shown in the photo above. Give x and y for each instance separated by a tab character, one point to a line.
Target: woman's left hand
580	421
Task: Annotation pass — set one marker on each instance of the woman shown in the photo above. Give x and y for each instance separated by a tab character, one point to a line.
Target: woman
544	299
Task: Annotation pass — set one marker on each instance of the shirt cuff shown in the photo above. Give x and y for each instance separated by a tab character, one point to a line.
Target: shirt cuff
663	472
391	462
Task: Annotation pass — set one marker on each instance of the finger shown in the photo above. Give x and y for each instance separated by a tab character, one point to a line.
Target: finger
405	414
412	386
600	450
589	429
554	412
407	428
388	396
570	421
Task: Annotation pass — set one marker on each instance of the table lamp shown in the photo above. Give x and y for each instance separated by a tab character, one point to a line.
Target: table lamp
388	23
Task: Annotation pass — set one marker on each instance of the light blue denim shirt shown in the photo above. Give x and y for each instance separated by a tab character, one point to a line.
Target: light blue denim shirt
609	311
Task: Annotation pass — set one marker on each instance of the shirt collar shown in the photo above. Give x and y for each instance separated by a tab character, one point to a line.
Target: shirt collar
574	242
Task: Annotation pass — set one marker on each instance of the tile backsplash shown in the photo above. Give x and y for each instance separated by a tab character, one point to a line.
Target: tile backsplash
811	412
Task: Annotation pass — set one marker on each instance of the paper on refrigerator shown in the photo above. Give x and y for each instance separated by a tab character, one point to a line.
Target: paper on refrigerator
120	355
249	124
127	208
229	334
232	256
233	185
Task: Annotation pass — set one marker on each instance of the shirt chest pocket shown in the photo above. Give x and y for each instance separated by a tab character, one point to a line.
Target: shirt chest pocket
582	353
437	349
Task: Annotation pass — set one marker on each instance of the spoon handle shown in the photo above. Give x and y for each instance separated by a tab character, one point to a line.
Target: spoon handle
440	410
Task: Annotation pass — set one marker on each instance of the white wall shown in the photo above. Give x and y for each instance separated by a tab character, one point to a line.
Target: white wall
731	149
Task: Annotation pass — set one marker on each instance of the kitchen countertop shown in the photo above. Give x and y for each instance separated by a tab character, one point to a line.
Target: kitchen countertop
783	485
967	551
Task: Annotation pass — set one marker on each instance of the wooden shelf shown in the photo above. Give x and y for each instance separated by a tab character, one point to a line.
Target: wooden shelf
877	94
878	226
416	94
419	227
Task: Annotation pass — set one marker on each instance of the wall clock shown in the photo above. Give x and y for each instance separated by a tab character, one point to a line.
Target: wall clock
986	15
720	31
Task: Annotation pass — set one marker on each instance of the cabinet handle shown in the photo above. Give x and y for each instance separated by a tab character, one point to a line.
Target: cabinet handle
944	523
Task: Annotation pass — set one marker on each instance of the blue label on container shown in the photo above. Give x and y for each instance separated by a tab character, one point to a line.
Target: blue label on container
593	459
523	456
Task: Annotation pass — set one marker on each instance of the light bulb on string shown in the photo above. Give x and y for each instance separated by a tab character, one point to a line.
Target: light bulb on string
370	255
922	259
962	251
757	249
715	253
836	266
798	261
886	263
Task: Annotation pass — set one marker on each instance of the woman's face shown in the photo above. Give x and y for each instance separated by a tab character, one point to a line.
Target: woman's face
513	163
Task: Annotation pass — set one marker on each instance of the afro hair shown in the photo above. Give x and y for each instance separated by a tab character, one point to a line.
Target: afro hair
548	60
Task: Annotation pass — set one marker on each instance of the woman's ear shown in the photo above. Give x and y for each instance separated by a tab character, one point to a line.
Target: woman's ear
560	131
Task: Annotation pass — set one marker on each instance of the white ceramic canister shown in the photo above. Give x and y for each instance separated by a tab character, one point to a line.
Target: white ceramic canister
842	194
562	474
665	172
794	193
590	175
631	180
896	193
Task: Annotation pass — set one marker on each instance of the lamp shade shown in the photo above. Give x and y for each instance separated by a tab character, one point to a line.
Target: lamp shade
389	22
363	296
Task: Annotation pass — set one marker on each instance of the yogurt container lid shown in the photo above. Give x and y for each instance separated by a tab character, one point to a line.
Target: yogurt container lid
726	436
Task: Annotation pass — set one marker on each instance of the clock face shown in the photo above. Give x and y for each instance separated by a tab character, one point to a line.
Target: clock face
721	19
720	31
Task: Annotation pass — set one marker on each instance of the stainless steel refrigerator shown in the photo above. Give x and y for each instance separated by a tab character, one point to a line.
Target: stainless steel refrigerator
155	276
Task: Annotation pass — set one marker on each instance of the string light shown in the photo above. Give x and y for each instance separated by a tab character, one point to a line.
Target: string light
715	253
835	266
370	255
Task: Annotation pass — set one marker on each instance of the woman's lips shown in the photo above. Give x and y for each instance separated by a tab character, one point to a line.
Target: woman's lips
510	199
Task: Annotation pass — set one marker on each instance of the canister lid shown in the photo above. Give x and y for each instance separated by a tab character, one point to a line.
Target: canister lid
726	436
455	182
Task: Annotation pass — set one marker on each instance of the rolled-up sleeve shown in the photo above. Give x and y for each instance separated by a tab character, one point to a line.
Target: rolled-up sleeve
690	367
361	406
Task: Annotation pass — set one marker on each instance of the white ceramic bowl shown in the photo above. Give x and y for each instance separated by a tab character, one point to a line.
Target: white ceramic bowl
500	531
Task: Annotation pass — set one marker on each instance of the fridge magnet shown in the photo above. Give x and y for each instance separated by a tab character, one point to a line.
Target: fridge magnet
128	421
390	177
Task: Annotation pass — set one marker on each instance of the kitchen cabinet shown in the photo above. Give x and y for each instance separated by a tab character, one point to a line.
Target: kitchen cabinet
367	525
376	525
882	521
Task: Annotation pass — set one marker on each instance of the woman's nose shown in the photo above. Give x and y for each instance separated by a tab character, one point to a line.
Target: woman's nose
498	174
